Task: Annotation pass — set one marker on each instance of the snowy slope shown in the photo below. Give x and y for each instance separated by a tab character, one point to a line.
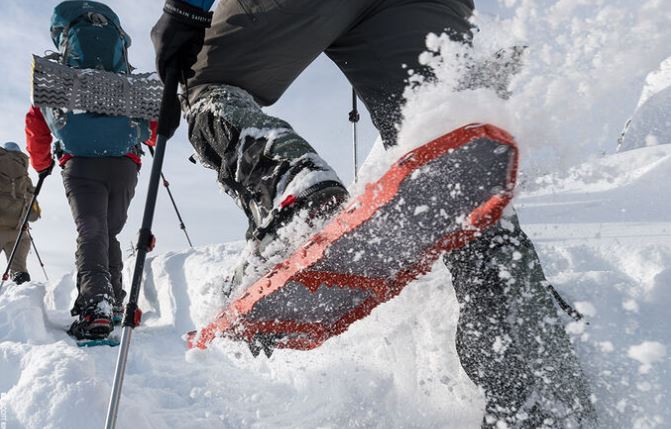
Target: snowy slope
604	233
656	82
397	368
650	124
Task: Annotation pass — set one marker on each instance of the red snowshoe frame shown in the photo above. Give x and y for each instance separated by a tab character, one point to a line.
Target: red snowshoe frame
241	322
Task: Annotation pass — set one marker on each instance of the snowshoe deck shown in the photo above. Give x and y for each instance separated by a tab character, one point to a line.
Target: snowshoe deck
434	199
109	341
112	340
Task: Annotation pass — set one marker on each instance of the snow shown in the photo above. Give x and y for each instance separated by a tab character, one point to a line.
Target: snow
167	386
650	124
656	82
600	222
648	352
585	308
630	305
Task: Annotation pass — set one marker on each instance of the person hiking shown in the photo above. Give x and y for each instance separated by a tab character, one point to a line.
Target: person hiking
510	338
100	160
16	190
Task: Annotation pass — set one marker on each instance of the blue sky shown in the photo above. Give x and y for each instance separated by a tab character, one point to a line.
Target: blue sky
317	105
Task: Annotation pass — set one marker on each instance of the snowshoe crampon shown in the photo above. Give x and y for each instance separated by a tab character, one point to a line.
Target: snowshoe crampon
434	199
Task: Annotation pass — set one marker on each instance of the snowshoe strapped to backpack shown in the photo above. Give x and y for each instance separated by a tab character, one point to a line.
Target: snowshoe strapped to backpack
88	35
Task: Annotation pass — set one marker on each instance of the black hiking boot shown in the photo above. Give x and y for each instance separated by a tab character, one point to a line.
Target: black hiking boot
321	201
318	203
94	322
21	277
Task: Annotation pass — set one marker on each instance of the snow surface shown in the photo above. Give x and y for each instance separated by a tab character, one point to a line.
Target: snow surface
602	226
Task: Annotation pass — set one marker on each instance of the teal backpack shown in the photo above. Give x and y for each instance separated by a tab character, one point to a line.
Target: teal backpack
88	35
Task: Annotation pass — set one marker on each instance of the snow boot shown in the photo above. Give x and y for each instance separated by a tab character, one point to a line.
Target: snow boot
320	201
315	205
94	322
20	277
270	171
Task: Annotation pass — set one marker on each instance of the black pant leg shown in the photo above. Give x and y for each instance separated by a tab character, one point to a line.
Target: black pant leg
385	43
87	193
510	337
122	189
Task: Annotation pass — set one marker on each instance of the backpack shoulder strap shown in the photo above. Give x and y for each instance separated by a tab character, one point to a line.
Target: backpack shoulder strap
64	33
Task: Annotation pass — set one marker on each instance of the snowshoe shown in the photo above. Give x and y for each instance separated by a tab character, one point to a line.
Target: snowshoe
434	199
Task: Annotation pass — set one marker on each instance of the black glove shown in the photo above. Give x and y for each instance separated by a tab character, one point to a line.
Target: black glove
178	37
42	174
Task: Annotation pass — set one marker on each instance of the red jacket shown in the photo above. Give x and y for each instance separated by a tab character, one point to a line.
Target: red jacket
38	141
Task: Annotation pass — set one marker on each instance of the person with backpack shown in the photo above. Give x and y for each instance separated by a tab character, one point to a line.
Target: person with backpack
100	160
16	191
510	337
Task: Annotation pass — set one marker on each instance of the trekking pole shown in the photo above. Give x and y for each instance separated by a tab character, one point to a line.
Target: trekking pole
354	118
166	185
24	223
32	241
145	243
